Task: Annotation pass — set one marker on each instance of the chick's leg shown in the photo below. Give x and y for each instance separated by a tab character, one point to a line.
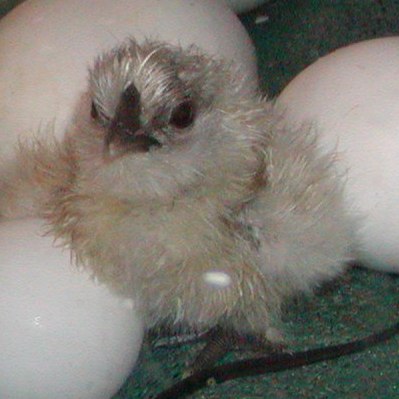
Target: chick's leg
220	341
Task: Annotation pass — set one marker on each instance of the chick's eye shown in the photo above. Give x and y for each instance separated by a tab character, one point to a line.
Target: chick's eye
183	115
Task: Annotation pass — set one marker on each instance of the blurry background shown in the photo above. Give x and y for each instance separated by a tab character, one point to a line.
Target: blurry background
289	35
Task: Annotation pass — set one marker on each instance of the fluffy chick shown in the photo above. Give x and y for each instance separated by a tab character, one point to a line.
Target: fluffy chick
175	186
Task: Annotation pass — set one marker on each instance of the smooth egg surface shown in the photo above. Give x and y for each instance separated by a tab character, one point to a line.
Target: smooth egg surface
351	97
62	335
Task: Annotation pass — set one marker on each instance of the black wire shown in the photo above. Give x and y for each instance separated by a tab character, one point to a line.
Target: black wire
273	363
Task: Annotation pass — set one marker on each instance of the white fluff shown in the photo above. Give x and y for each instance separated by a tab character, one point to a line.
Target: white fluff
218	224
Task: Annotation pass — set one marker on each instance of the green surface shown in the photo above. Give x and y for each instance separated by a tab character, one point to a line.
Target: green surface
296	34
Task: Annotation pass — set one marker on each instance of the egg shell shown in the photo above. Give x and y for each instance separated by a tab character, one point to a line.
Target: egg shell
46	47
351	97
62	335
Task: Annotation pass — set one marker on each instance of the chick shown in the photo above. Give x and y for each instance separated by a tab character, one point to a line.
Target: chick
176	187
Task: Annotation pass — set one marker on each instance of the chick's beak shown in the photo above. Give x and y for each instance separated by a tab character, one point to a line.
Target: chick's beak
121	138
126	132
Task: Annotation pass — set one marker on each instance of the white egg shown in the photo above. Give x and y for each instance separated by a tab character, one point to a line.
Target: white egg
244	5
352	96
46	47
62	335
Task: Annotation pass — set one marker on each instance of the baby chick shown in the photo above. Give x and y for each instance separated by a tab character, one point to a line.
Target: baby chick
176	187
